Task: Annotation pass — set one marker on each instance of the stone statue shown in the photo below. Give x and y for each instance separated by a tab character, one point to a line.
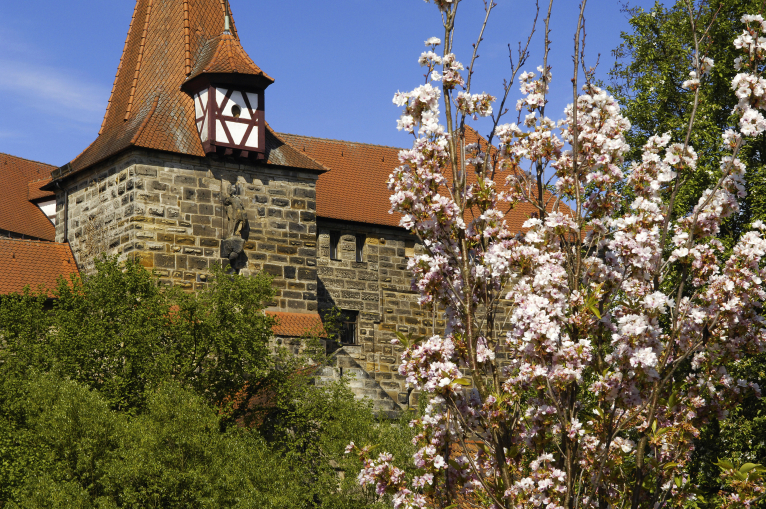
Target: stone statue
236	217
236	220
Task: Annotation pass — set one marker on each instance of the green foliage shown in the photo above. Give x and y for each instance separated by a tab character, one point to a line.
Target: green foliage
651	64
171	456
119	332
312	425
123	393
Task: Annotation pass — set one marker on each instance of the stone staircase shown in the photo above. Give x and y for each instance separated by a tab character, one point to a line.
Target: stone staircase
343	364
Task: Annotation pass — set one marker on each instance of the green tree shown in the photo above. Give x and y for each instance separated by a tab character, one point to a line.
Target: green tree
174	455
652	62
311	425
650	67
119	332
171	456
124	393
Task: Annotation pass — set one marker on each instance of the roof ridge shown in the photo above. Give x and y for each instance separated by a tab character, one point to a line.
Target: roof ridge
343	141
302	153
29	160
46	242
39	180
187	39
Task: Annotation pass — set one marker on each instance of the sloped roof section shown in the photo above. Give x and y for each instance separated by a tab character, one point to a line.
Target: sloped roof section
168	42
356	188
224	54
295	325
282	153
36	193
35	264
17	213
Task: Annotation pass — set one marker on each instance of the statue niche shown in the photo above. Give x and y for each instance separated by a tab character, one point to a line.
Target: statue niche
236	222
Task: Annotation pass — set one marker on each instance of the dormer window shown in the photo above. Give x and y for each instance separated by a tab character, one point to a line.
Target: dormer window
228	91
230	119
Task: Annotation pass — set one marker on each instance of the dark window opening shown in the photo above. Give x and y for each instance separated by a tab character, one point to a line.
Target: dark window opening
409	248
360	240
349	328
334	243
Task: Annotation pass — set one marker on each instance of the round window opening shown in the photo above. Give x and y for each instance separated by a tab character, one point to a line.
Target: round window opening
236	111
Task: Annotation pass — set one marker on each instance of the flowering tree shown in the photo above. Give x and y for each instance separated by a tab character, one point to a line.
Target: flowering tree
622	318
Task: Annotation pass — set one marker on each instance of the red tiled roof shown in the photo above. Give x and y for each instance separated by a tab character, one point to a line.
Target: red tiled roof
34	264
355	188
167	41
17	214
296	325
35	191
224	54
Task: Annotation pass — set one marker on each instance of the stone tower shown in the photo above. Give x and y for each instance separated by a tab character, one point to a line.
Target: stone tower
185	171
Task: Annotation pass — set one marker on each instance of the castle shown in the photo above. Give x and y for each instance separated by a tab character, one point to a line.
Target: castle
186	172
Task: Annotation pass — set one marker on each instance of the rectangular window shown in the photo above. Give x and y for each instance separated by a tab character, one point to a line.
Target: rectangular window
349	328
334	245
360	240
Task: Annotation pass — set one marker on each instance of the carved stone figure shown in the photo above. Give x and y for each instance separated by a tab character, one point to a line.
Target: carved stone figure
236	217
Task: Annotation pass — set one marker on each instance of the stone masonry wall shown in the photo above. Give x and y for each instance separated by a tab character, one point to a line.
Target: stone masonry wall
166	212
379	289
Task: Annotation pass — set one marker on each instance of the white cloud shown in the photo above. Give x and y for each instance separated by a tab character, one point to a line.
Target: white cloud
53	92
4	135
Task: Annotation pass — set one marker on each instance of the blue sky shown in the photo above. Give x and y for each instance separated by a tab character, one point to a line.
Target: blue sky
337	63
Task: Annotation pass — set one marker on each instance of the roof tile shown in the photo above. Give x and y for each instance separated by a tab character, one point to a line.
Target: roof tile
37	193
17	214
355	188
224	54
33	263
296	325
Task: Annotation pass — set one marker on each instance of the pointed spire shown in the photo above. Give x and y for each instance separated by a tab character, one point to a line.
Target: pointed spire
183	40
168	42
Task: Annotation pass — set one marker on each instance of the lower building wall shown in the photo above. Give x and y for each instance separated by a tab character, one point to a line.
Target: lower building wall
167	212
378	288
